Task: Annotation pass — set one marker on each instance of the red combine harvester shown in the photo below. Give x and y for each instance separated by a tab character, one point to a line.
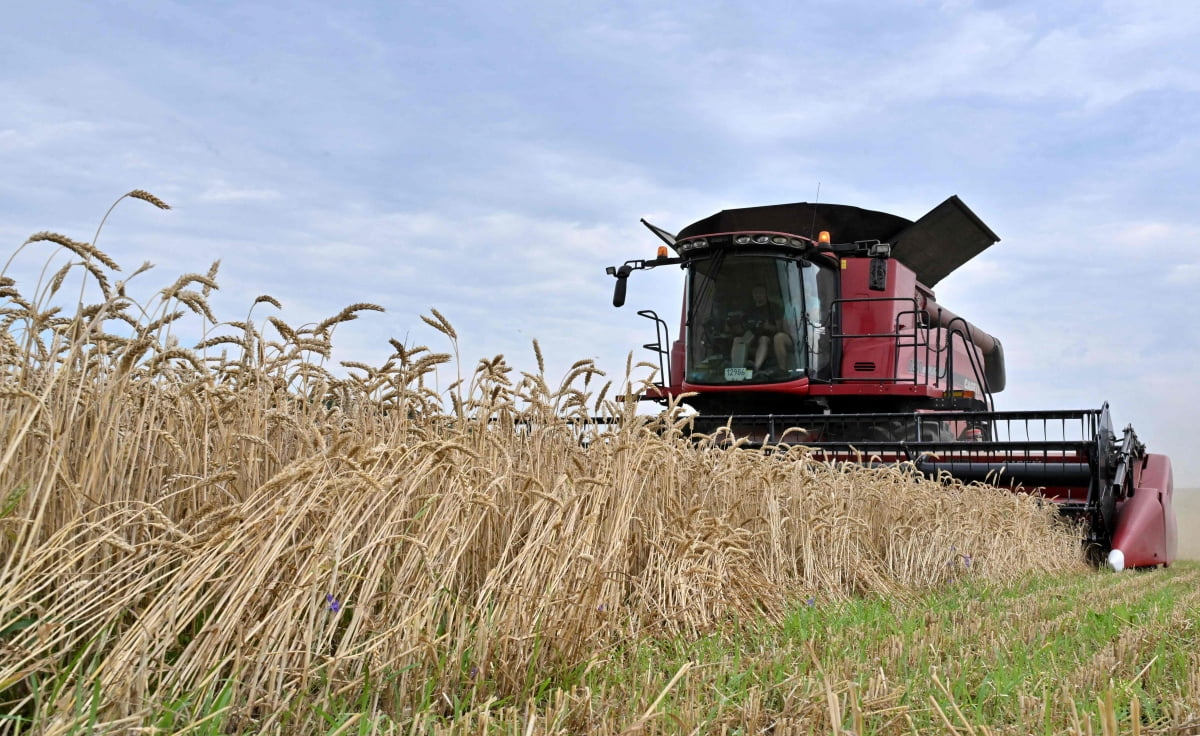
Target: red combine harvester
816	325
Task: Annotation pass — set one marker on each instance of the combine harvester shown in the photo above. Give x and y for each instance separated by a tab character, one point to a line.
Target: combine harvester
816	325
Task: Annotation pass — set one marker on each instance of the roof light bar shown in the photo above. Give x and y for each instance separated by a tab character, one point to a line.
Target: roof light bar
725	239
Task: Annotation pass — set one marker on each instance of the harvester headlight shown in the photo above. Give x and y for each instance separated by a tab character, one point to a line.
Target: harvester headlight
762	239
691	245
798	243
742	240
779	240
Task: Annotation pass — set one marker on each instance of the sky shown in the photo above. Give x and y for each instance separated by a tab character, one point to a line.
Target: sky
489	160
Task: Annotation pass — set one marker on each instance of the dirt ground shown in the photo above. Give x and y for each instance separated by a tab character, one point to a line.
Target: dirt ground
1187	511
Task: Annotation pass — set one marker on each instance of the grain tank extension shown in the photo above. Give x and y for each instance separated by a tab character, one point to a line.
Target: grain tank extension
818	325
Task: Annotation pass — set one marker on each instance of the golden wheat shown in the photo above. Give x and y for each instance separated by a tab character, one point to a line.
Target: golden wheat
181	523
145	196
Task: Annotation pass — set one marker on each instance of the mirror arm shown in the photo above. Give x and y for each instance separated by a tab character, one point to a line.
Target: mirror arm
622	274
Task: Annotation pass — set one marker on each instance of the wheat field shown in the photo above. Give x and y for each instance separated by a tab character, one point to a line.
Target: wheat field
1187	513
235	525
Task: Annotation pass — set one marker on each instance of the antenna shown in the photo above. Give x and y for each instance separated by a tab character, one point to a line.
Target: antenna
812	229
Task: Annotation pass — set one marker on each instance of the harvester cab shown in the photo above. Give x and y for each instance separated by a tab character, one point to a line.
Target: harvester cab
840	320
817	325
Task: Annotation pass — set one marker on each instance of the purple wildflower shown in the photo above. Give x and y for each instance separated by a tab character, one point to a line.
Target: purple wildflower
811	601
334	604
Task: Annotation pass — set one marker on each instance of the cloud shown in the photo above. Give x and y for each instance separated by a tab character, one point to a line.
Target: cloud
221	192
1183	274
30	139
492	161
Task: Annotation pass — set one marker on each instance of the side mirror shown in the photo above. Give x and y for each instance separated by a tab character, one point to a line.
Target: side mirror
622	275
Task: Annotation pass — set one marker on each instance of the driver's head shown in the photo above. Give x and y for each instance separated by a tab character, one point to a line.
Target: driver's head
759	293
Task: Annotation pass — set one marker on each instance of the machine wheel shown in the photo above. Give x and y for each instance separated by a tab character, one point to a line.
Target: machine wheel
935	433
1094	553
891	432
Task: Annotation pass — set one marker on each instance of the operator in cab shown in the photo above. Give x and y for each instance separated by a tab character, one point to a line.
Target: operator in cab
763	328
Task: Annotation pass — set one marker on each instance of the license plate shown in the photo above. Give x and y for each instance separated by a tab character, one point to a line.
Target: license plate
738	374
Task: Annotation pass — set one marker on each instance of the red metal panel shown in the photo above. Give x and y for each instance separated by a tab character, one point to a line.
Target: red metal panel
1146	531
874	317
677	363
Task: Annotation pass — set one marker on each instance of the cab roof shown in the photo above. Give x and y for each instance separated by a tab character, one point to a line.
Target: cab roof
933	246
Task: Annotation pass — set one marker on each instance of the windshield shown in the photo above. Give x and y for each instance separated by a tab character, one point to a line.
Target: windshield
757	319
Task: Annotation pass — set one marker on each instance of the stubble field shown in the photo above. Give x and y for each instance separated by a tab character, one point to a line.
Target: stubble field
1187	509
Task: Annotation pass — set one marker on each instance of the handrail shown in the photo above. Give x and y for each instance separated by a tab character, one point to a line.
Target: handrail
928	351
838	338
976	367
662	334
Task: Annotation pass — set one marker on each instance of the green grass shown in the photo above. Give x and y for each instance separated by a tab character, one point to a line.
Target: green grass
1049	654
1096	652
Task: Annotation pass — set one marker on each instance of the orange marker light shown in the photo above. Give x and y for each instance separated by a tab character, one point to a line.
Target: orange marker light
823	237
662	251
959	394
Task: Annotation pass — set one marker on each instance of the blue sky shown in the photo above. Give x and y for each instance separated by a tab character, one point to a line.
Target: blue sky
491	160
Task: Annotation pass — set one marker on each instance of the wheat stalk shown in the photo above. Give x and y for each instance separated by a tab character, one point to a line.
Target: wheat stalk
260	524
